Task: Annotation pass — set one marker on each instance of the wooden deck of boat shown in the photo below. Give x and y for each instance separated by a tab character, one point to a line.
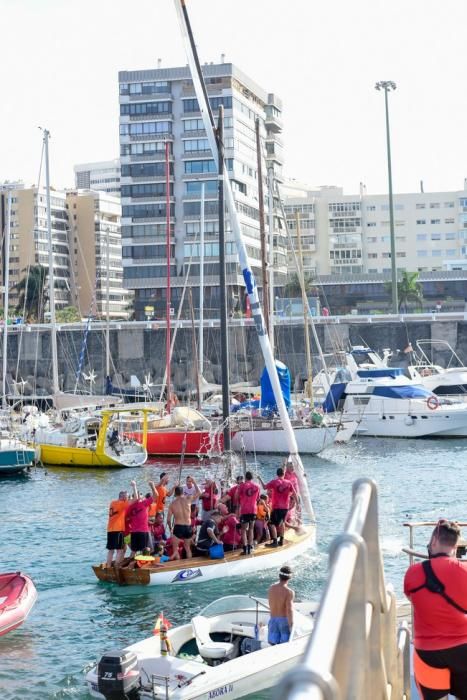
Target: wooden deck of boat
141	577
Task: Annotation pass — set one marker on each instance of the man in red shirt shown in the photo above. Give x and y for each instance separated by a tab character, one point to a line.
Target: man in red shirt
437	589
248	495
231	496
281	491
209	498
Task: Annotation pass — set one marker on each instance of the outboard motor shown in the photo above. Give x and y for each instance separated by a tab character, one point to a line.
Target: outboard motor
118	676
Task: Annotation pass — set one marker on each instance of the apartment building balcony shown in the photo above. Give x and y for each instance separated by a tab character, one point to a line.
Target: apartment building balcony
195	133
138	158
151	137
154	97
206	153
166	116
273	124
130	179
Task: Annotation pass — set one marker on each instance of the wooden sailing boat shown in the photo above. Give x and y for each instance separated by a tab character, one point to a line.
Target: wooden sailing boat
200	568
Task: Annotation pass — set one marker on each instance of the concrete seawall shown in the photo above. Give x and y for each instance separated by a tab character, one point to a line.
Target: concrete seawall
139	348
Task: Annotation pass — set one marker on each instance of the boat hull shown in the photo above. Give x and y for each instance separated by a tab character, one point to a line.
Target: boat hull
447	425
174	442
17	597
201	569
15	460
310	440
61	456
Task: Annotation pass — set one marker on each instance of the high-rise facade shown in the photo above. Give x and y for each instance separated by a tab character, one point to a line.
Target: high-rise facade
103	176
159	106
83	224
350	234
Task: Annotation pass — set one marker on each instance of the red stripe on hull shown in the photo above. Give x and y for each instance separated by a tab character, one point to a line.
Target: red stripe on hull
169	442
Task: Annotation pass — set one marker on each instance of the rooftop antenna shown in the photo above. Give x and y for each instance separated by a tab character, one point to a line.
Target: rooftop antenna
421	186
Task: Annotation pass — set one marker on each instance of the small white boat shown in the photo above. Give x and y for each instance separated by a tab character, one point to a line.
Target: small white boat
199	569
223	651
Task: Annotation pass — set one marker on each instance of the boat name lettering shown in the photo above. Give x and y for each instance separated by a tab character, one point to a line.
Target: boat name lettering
220	692
187	575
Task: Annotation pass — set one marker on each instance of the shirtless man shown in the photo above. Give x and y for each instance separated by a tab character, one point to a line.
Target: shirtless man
179	520
281	599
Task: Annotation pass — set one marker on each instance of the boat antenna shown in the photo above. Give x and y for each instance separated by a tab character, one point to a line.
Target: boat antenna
248	276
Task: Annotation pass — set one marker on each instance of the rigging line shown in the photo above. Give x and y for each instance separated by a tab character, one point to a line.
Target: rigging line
27	274
84	344
179	312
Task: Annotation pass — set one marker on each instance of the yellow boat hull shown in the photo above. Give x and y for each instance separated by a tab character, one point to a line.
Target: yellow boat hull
60	456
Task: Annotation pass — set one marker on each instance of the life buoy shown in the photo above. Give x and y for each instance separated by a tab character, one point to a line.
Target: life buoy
432	403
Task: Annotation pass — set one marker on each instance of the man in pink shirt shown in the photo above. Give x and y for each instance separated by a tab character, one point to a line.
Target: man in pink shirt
137	517
291	475
281	491
231	496
230	529
248	495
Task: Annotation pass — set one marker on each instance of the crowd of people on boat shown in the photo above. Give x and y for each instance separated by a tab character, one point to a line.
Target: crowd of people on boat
205	521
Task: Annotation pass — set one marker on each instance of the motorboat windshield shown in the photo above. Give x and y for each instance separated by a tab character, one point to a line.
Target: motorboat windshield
233	603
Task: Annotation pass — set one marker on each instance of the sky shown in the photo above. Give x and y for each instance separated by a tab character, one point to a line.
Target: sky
59	63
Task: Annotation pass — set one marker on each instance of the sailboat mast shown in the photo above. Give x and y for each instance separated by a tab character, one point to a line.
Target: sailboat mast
53	326
271	256
301	277
107	325
201	284
262	228
6	282
167	306
223	285
248	276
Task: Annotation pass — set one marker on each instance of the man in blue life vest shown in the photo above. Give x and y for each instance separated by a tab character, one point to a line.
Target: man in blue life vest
437	589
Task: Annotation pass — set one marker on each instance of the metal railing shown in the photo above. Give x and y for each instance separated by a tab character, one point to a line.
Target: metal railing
355	650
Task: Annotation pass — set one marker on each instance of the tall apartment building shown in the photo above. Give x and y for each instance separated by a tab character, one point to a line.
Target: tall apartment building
97	253
157	106
81	224
103	176
350	234
29	238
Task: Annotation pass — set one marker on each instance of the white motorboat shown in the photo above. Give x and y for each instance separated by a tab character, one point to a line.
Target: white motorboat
222	651
200	568
394	406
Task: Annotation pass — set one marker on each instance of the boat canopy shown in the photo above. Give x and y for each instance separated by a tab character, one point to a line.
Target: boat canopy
268	401
392	372
407	391
335	393
232	603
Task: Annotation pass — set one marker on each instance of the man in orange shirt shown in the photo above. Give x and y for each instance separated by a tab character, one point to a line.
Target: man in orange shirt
163	492
116	529
437	589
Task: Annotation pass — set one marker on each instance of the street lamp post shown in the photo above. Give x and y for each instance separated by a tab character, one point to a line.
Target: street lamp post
387	86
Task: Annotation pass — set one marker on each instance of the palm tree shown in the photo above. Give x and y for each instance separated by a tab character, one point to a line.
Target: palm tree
32	293
294	289
409	288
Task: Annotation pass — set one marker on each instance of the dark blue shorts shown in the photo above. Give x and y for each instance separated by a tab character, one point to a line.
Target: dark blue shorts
278	630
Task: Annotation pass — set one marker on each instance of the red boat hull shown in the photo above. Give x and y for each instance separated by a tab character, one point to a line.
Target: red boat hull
17	597
178	442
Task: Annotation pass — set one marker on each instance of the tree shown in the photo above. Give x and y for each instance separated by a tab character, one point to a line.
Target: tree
32	293
409	288
69	314
293	287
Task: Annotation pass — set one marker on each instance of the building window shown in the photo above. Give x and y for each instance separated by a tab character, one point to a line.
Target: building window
138	108
200	166
435	236
422	253
421	222
420	205
449	221
371	208
436	253
371	239
449	205
386	255
435	221
372	255
401	254
422	237
451	252
434	205
371	223
193	125
195	186
195	145
450	236
385	239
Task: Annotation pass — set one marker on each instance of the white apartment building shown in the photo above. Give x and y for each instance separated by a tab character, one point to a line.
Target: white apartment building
345	234
159	106
102	176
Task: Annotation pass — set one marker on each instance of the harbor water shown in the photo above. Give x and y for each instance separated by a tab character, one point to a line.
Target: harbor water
54	528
